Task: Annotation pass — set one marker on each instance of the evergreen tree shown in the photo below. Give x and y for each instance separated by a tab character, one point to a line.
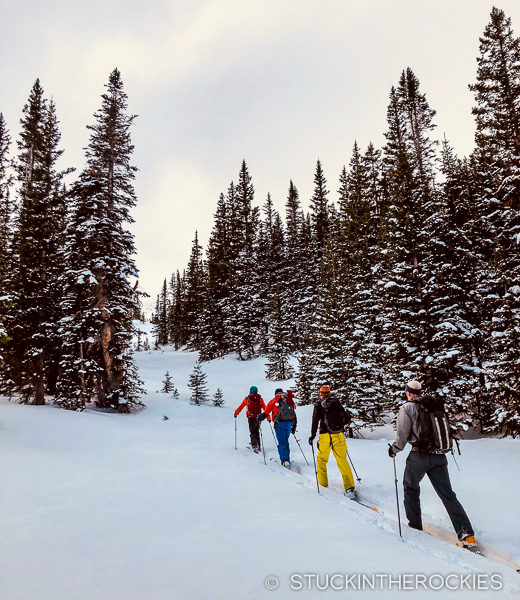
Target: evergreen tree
161	316
218	398
320	209
167	383
99	299
197	384
243	308
270	259
408	167
452	335
497	166
6	233
177	316
278	365
497	96
218	281
37	263
195	294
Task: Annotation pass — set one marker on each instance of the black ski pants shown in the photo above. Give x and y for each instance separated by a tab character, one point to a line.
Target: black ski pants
254	430
418	465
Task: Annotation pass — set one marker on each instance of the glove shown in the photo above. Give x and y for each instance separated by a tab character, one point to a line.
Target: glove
391	451
293	430
311	439
261	417
235	416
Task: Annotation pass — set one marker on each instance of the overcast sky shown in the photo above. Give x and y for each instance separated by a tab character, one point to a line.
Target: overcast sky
280	83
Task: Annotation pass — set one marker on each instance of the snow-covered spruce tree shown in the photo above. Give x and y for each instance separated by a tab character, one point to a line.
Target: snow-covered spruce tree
306	389
99	299
195	294
213	343
497	97
36	262
161	317
278	365
198	385
177	314
243	306
358	258
451	267
408	157
167	383
270	253
6	235
298	272
497	161
218	398
320	210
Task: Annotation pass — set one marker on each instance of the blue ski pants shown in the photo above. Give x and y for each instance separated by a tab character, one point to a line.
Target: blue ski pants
283	431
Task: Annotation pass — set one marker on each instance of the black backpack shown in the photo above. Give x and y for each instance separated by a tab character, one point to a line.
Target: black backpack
334	415
434	427
285	411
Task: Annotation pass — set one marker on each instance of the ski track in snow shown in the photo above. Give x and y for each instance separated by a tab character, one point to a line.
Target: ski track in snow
99	506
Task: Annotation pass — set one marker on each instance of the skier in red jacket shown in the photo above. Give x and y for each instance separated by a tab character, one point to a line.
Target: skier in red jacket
283	409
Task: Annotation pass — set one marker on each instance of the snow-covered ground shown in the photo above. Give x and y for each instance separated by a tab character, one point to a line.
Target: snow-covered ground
98	506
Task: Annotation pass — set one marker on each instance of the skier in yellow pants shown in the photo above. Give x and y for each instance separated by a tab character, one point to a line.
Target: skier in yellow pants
330	416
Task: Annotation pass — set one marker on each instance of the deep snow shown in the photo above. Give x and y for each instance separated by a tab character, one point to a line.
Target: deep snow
99	506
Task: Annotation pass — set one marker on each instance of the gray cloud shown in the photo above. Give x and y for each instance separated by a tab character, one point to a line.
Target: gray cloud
277	83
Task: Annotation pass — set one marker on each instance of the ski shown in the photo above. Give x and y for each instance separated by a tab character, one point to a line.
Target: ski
480	550
367	506
292	468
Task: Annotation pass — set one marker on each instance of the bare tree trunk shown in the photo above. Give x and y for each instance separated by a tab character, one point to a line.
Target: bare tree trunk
39	382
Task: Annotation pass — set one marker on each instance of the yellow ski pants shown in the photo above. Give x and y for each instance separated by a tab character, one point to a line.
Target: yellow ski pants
336	443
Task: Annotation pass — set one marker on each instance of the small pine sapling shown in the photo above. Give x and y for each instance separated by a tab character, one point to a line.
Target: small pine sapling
218	398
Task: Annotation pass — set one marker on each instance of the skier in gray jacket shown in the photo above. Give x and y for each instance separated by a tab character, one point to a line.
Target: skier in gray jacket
419	464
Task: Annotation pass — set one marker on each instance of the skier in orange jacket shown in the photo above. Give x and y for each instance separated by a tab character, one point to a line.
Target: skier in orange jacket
255	406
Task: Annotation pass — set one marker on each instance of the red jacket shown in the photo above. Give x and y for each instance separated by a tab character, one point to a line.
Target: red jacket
253	408
272	406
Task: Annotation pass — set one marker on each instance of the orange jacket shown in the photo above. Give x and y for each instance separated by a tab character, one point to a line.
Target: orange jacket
245	402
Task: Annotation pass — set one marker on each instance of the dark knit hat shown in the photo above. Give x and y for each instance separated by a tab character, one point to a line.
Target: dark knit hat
278	391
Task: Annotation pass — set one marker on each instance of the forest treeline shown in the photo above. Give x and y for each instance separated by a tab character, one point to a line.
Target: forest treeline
410	269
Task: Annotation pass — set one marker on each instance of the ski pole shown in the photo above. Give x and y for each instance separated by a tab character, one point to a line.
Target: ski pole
274	437
357	476
262	440
453	454
298	442
397	498
315	469
235	433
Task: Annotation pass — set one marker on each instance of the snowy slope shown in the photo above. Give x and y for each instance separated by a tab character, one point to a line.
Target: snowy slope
98	506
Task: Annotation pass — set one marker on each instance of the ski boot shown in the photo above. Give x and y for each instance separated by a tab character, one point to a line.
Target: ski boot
286	464
468	542
350	493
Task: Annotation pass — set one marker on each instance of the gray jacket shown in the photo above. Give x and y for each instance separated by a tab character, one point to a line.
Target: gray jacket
407	426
